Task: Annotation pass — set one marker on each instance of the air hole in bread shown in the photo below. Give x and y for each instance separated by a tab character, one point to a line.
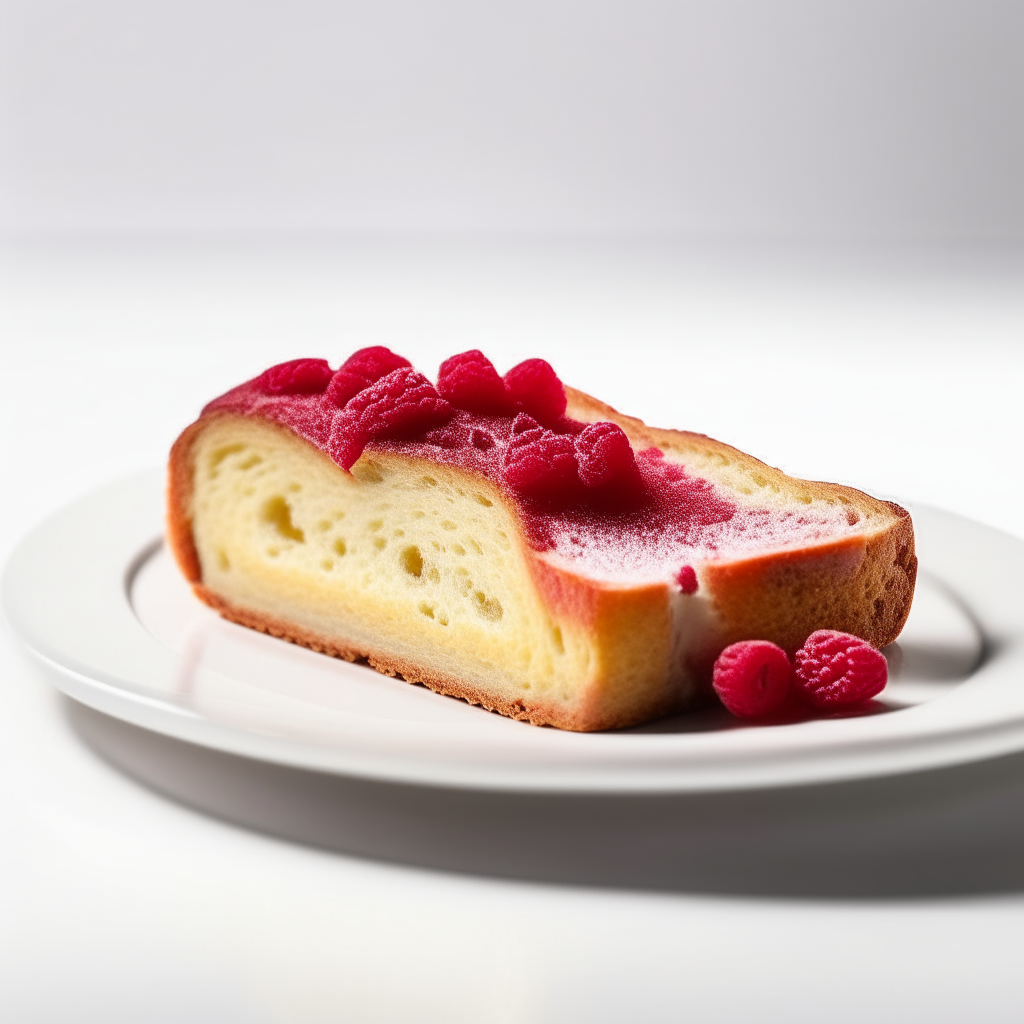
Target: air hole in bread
556	636
220	455
412	561
339	546
489	607
278	514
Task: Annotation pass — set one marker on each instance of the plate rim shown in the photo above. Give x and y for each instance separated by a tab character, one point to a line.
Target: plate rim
114	678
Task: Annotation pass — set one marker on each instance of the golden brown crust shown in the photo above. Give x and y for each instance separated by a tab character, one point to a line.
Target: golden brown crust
861	584
856	585
180	483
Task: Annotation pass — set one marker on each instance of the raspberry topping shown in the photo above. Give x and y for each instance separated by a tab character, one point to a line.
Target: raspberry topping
604	455
401	403
362	369
470	381
538	462
655	527
296	377
533	387
835	670
696	500
687	579
752	678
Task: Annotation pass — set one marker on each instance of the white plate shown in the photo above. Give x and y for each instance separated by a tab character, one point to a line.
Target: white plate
95	597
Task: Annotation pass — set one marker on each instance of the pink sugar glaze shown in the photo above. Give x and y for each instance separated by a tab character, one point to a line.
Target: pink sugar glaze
656	518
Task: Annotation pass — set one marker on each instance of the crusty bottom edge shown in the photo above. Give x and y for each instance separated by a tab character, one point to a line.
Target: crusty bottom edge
539	713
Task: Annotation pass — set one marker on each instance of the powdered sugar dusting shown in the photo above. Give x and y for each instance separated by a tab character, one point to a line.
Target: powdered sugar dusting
652	543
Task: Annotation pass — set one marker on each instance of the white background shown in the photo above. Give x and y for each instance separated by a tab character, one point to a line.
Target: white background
794	226
856	119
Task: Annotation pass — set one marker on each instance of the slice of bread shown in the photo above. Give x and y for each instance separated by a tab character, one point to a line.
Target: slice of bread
433	567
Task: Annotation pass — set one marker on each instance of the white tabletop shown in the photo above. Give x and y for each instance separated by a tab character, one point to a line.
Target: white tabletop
901	376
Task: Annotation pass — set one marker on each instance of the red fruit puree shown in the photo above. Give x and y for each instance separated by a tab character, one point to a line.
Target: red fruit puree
583	493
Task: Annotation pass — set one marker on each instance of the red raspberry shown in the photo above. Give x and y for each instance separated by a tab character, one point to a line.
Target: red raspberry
538	462
835	670
604	455
687	580
752	678
533	387
296	377
566	425
402	402
470	381
362	369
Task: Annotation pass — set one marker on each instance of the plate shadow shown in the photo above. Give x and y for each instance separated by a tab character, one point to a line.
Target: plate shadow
944	833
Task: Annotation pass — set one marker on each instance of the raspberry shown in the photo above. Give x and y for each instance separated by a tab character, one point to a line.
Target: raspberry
567	425
835	670
402	402
522	423
538	462
533	387
687	580
297	377
362	369
752	678
604	455
470	381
